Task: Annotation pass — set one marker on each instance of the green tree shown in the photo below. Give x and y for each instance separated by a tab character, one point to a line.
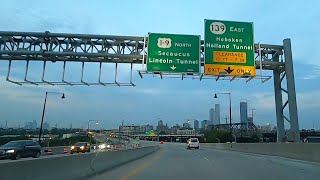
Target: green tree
216	136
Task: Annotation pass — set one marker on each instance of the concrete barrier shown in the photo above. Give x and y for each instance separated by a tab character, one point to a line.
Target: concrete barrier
78	166
55	150
300	151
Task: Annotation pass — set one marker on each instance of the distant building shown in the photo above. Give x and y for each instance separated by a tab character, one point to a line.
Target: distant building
162	127
185	131
174	129
143	129
250	120
216	115
149	127
211	114
131	129
266	128
46	126
177	126
243	112
31	125
196	124
205	124
186	125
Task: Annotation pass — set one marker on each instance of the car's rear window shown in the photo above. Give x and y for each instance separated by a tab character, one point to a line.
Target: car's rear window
194	140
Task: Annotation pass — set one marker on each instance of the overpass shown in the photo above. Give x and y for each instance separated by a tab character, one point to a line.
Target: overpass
168	137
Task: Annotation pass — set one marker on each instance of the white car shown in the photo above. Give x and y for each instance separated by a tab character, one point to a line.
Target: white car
193	143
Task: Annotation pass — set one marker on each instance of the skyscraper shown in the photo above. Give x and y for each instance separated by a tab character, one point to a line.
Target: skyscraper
205	123
211	114
196	124
216	115
161	126
243	112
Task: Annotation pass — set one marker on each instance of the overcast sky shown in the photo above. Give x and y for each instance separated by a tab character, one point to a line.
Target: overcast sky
172	100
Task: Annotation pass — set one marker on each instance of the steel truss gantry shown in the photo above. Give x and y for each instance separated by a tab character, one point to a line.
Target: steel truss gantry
85	48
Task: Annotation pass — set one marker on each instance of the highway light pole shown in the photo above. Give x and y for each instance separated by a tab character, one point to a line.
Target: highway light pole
230	111
188	121
44	109
97	122
90	135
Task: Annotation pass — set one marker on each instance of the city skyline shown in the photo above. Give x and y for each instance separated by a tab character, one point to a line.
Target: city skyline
173	100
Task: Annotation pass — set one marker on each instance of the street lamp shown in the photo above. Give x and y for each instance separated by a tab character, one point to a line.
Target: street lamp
97	122
230	114
44	109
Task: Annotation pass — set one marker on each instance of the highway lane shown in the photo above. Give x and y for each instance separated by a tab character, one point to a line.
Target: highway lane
174	161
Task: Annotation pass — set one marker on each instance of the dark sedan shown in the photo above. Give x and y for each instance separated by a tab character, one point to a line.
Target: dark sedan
80	147
21	148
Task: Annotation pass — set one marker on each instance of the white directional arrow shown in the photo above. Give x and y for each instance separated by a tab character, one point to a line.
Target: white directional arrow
173	67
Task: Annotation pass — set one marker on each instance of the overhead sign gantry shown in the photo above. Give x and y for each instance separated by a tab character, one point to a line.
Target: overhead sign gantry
238	53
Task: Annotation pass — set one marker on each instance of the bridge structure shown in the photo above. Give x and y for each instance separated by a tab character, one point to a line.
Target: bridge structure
50	47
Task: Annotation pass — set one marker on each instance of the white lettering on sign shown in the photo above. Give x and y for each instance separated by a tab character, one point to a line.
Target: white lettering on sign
234	40
216	45
164	43
182	45
242	47
182	61
173	54
234	29
160	61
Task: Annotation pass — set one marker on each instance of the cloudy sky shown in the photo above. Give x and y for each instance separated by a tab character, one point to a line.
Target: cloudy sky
172	100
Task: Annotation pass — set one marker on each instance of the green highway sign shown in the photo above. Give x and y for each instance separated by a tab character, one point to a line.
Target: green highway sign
228	48
173	53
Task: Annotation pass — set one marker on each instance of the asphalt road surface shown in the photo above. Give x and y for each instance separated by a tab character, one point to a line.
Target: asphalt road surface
174	161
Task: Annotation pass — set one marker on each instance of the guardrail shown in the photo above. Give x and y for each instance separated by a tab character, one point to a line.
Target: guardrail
66	149
55	150
78	166
300	151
